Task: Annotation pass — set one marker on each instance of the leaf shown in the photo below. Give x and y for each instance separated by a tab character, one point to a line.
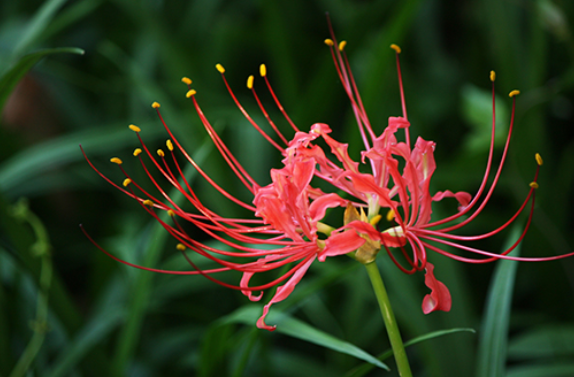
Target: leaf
494	332
366	368
51	154
295	328
37	25
9	79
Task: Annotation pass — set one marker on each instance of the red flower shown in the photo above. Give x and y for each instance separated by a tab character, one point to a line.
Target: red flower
288	213
404	192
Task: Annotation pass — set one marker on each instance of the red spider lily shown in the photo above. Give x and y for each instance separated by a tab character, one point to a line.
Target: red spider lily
405	192
288	213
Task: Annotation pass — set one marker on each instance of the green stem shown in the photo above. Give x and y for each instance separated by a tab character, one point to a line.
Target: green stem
390	322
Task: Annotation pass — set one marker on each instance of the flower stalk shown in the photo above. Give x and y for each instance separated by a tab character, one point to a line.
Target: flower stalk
389	318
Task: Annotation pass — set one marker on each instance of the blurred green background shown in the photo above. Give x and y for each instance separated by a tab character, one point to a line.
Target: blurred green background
68	310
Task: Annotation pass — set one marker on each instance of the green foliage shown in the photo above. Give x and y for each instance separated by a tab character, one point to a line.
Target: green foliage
104	318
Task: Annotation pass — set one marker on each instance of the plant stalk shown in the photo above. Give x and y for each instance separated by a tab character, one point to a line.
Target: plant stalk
389	319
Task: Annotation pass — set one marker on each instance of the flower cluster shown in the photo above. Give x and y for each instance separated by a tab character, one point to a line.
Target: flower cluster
288	214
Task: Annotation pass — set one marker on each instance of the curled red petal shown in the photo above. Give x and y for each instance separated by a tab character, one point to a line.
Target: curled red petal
462	197
439	298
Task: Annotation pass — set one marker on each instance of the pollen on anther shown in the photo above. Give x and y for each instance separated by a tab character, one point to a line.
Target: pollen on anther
126	182
390	215
342	45
250	82
514	93
492	76
190	93
137	151
375	220
186	80
396	48
220	68
134	128
329	42
116	160
148	203
170	213
538	158
160	153
180	247
262	70
155	105
169	145
534	185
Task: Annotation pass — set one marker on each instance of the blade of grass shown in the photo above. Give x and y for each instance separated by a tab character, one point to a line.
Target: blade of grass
57	152
295	328
492	347
9	79
366	368
37	25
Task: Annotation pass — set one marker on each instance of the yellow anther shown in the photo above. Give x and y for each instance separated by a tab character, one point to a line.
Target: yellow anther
137	151
116	160
160	153
492	76
170	213
186	80
250	82
342	45
514	93
329	42
190	93
180	247
538	158
534	185
134	128
127	181
155	105
148	203
390	215
169	145
396	48
375	220
220	68
263	70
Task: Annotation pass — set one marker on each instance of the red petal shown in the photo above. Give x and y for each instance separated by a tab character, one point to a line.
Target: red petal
439	298
341	243
283	292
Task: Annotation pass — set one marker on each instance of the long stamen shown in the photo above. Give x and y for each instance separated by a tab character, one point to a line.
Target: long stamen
403	102
250	86
244	112
231	161
488	165
496	177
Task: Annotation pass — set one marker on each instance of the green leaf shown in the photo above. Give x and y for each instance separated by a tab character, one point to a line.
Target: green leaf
51	154
9	79
492	346
366	368
37	25
295	328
